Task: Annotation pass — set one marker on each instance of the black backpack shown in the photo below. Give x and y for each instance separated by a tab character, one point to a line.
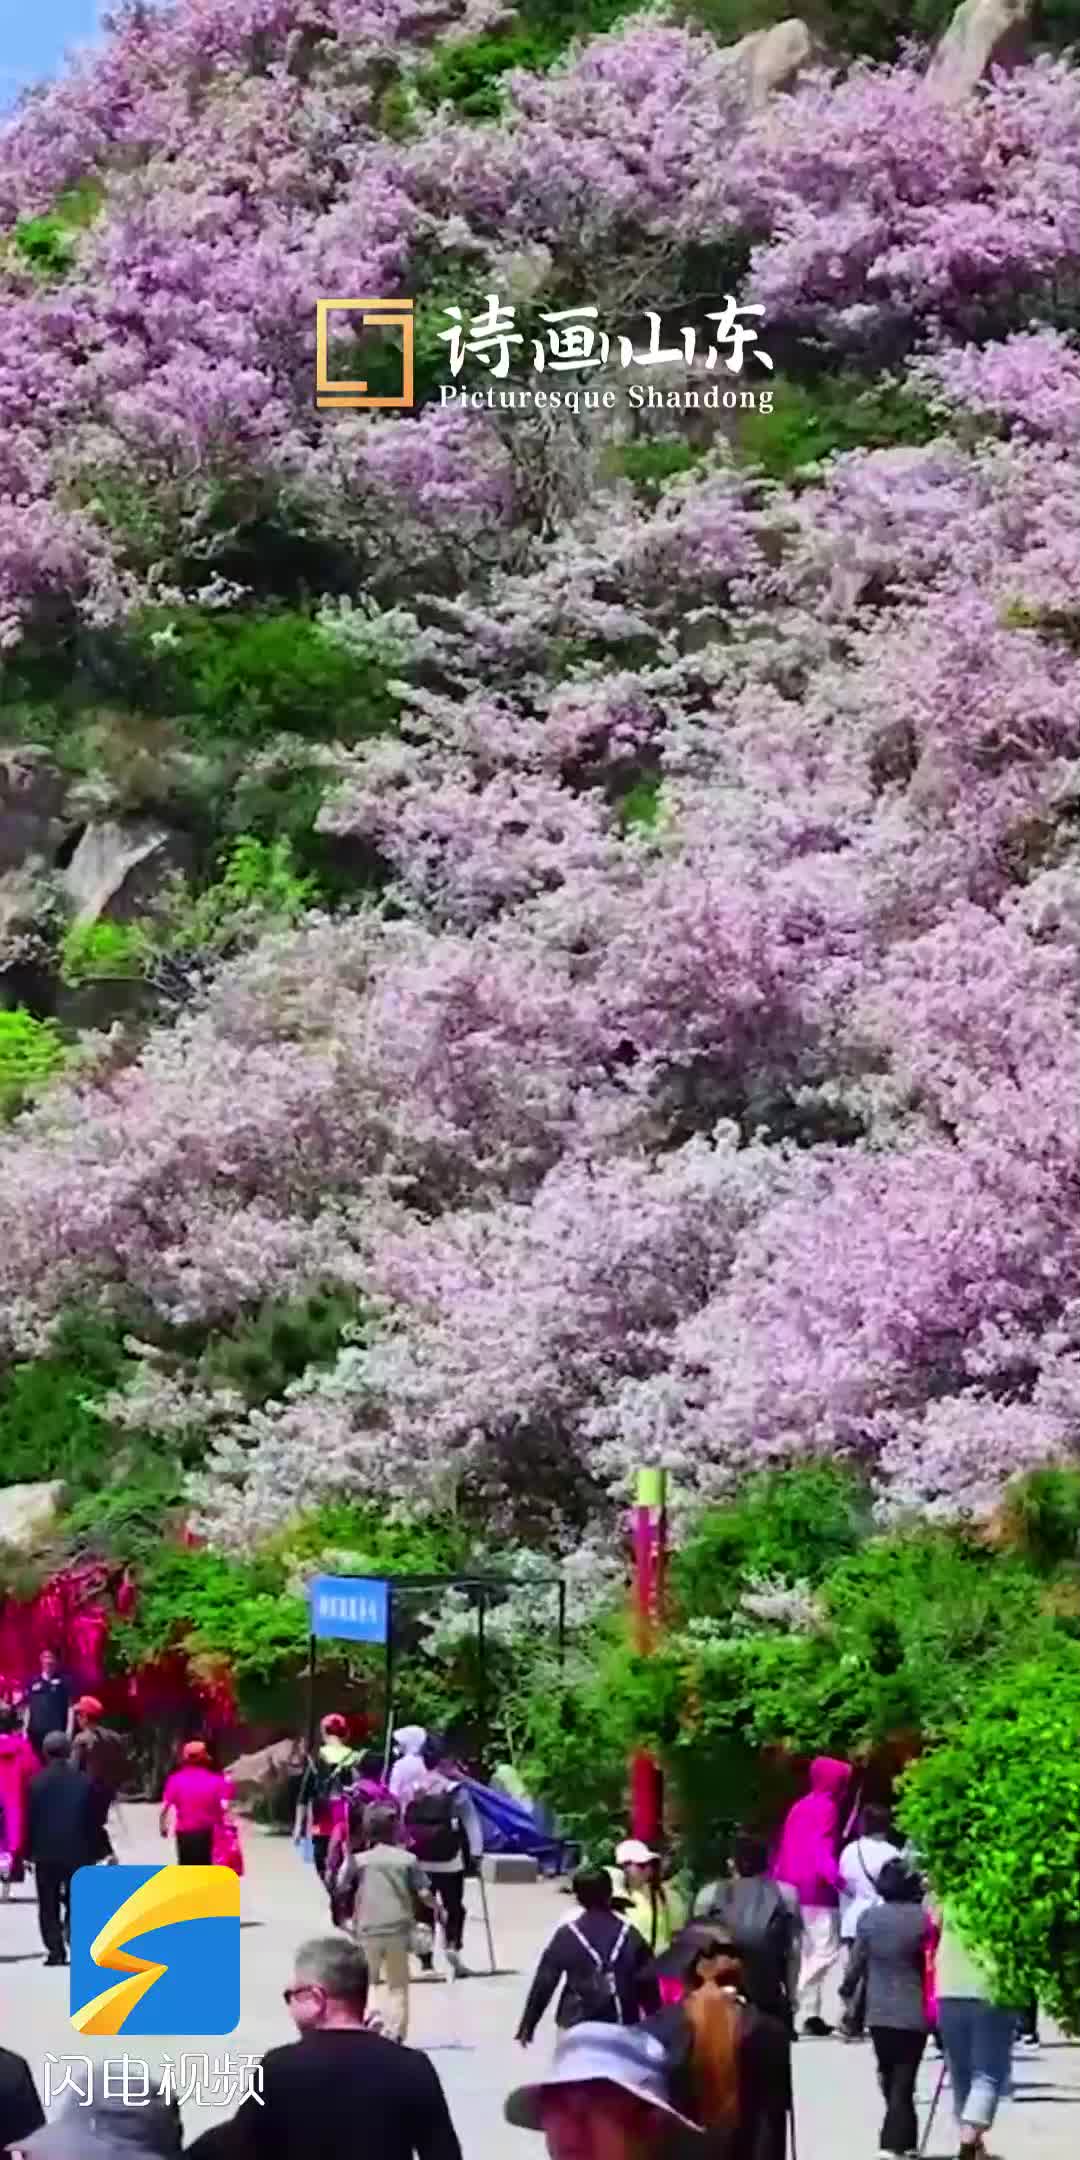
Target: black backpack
593	1998
433	1827
759	1921
327	1781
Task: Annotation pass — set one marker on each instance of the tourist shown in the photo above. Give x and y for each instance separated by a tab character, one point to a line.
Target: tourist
888	1968
764	1920
194	1803
977	2034
48	1703
655	1908
103	1757
321	1805
341	2088
861	1863
729	2063
410	1771
109	2129
18	1764
605	2097
390	1895
21	2111
604	1966
62	1838
445	1834
806	1857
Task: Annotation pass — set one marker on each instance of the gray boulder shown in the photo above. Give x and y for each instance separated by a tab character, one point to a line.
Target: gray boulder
983	34
120	867
26	1511
769	60
32	792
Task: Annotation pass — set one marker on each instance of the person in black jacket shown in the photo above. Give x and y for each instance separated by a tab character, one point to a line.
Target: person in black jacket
341	2089
605	1966
729	2063
63	1832
21	2111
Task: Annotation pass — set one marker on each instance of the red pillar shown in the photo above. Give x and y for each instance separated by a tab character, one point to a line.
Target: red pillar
650	1552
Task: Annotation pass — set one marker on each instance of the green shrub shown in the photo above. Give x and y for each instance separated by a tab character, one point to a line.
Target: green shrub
810	422
995	1814
261	1355
649	464
50	1425
791	1525
103	952
31	1052
238	679
47	243
469	74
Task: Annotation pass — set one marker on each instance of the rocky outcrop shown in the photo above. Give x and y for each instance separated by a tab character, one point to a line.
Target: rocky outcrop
120	867
770	60
32	792
983	34
28	1510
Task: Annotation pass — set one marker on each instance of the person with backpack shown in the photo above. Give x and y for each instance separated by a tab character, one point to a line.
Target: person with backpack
861	1865
320	1802
444	1831
605	1969
764	1919
102	1756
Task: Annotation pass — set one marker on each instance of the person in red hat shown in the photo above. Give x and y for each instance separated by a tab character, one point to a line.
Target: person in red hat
102	1756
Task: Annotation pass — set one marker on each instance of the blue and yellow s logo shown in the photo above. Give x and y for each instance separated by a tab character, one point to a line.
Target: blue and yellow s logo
172	1933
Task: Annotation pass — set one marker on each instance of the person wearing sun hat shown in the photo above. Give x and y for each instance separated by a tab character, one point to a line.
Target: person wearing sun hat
651	1905
605	2097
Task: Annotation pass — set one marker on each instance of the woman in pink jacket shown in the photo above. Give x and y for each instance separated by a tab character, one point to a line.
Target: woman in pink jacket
807	1859
18	1764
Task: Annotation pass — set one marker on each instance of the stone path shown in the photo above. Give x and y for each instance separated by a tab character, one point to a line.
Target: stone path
468	2026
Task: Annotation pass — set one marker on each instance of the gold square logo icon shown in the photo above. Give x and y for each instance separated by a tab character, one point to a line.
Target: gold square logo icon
375	315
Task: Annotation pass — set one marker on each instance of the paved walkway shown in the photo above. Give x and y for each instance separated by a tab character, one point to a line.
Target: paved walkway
468	2026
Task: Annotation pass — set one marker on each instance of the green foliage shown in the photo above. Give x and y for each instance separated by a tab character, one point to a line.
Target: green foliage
995	1814
649	463
569	1738
239	679
259	886
126	1522
261	1355
469	74
788	1525
47	244
50	1422
810	422
31	1052
217	1610
1040	1518
641	807
103	952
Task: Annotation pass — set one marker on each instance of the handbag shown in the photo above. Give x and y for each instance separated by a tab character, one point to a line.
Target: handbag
226	1849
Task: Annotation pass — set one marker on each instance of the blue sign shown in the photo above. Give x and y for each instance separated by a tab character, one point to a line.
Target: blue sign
352	1608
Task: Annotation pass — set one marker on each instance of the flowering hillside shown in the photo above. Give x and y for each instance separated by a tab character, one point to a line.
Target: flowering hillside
667	1046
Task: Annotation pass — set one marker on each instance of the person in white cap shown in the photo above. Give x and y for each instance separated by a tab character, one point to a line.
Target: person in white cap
605	2097
652	1906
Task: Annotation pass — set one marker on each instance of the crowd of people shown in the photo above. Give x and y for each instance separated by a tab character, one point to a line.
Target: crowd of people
675	2019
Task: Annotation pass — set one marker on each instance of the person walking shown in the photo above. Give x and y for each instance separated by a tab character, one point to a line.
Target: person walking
322	1800
806	1857
764	1920
977	2034
655	1908
21	2111
18	1764
62	1835
444	1831
48	1703
861	1863
729	2063
391	1893
410	1771
341	2088
103	1757
888	1967
195	1801
605	1968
